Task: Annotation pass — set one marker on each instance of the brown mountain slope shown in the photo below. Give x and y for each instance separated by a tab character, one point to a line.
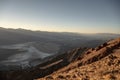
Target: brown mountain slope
101	63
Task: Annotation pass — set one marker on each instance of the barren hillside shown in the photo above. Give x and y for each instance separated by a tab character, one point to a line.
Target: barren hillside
100	63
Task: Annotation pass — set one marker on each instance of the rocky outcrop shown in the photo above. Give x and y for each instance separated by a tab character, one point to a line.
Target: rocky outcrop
100	51
100	63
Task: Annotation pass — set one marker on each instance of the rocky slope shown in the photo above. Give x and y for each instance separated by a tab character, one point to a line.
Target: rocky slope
100	63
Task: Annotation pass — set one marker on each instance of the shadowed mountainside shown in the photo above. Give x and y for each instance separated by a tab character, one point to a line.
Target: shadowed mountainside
46	67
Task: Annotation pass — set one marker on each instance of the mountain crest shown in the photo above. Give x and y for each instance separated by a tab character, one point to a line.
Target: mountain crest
100	63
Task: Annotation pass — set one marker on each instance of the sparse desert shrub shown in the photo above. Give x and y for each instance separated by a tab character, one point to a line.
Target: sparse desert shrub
98	48
88	52
74	76
112	57
118	62
104	44
68	76
61	77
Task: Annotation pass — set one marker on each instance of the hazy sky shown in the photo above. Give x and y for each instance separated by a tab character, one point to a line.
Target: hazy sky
83	16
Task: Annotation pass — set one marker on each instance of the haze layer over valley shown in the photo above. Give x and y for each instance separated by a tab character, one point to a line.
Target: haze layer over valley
24	48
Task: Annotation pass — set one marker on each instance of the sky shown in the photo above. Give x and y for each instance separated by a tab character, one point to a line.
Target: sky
81	16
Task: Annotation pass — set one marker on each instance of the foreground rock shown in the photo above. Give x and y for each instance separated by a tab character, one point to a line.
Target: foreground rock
101	63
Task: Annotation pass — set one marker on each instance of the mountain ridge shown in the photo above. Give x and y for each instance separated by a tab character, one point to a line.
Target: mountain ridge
100	63
21	29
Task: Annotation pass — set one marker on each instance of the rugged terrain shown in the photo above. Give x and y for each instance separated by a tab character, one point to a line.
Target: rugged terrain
100	63
28	55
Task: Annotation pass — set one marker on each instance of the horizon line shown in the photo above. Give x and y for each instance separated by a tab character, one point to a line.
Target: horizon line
57	31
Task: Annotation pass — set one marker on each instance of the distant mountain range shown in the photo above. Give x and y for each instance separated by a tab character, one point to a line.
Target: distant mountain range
16	36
